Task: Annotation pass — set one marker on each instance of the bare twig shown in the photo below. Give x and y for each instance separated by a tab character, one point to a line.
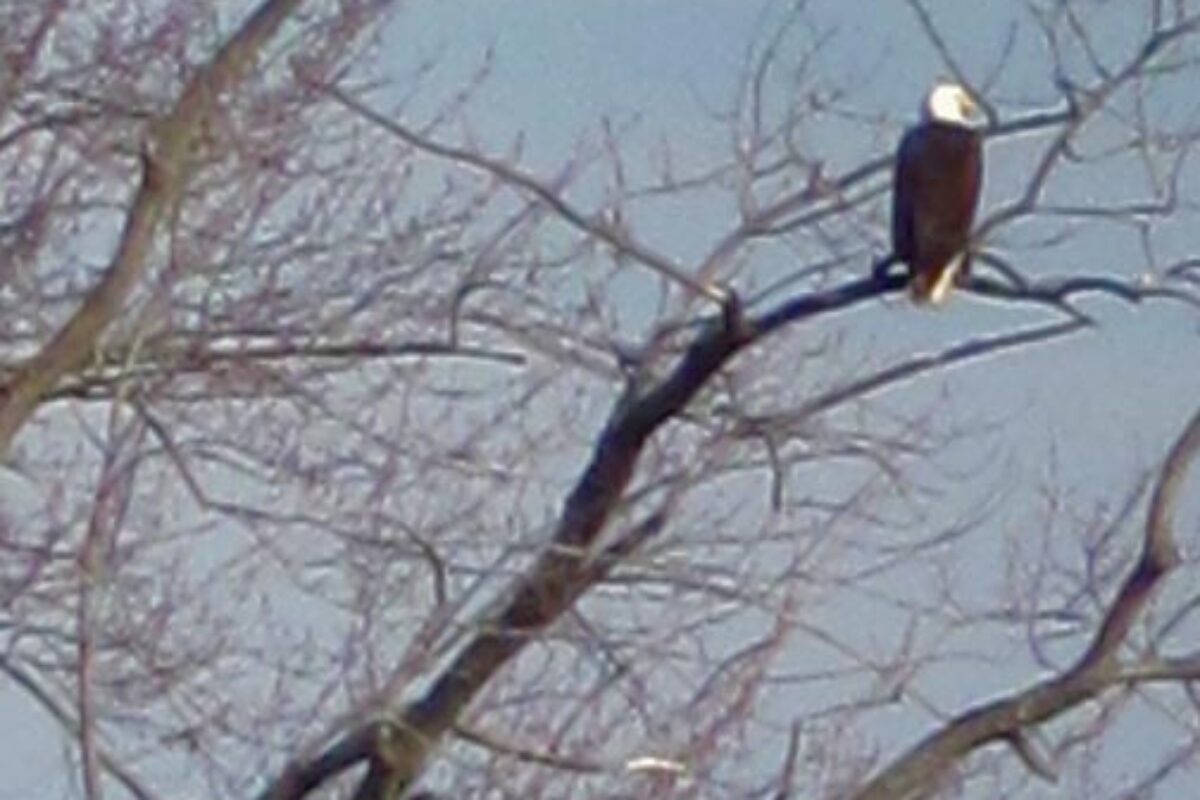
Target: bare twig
553	760
398	749
182	358
44	698
934	34
911	368
165	164
1057	292
1096	670
611	234
787	775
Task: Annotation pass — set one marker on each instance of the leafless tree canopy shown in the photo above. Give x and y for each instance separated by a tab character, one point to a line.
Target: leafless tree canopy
348	454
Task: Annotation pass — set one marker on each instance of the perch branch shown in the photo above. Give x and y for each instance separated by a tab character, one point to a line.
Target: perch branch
397	748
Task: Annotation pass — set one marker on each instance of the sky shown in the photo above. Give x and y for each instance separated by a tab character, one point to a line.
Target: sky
562	66
1100	407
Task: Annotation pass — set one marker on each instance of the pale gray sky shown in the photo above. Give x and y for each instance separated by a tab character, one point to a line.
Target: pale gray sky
1108	403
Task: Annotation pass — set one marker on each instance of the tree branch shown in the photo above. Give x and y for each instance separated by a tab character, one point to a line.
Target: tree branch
1097	669
166	154
397	750
1057	292
592	225
46	700
153	361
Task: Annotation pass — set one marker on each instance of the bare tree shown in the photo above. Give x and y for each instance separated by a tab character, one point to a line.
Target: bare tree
299	370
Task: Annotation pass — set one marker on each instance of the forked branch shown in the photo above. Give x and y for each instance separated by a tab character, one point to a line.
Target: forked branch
165	162
1098	669
398	748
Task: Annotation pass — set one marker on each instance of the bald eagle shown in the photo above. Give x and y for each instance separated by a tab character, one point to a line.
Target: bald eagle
939	171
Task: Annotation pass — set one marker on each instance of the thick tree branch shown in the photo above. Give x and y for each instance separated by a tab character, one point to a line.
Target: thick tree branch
167	151
397	750
1096	670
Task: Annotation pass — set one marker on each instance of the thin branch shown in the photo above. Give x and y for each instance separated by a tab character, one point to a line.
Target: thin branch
1034	759
113	367
166	158
787	776
934	34
1056	292
529	755
1180	669
912	774
1159	554
922	363
46	700
596	226
85	695
397	749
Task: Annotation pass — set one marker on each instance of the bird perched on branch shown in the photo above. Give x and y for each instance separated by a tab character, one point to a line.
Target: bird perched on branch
939	172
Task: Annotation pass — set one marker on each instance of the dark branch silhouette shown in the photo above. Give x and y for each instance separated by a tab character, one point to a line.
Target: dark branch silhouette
293	378
397	749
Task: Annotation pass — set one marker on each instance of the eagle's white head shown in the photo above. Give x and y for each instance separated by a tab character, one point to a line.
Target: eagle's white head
951	104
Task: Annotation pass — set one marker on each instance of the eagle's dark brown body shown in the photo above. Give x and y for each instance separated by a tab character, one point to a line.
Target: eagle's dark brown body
939	170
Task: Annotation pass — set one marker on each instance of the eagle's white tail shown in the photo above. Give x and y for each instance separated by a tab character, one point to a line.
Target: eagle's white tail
934	289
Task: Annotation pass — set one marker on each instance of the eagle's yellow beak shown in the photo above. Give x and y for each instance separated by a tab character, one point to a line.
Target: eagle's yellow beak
968	106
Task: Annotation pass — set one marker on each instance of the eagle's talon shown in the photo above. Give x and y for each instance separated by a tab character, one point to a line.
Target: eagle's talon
733	313
881	271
